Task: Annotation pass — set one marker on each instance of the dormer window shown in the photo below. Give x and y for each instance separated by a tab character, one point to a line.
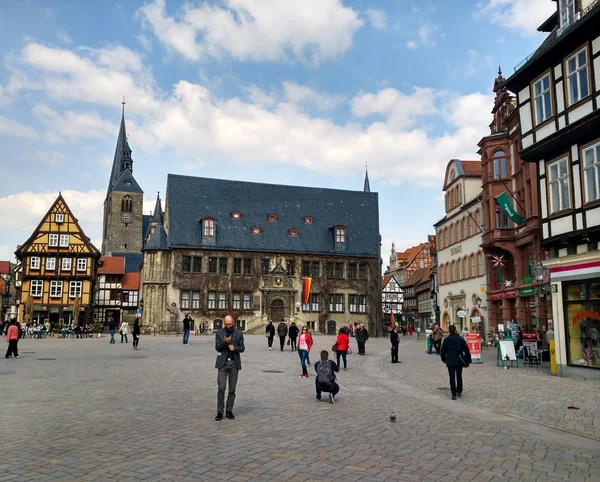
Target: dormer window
567	12
340	235
256	230
208	230
308	220
272	218
293	232
236	215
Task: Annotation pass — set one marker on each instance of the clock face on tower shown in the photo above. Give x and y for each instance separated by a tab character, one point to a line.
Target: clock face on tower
126	217
278	281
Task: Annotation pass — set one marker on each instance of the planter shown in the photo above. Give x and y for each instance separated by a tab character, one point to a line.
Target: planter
95	335
56	336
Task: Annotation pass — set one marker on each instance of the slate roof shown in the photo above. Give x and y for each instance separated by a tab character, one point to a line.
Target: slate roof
132	261
122	164
158	212
158	240
127	183
190	199
146	218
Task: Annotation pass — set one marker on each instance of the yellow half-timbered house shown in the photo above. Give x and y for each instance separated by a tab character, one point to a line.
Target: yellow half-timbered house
58	270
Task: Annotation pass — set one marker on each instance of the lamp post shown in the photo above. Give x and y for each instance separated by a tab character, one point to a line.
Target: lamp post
540	280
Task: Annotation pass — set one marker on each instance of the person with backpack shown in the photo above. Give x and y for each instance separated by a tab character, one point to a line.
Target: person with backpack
456	355
325	381
12	337
305	343
282	331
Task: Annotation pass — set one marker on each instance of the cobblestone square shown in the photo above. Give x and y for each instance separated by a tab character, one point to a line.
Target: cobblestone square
78	410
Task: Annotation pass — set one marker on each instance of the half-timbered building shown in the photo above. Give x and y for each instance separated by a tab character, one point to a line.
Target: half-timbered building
558	99
58	264
392	298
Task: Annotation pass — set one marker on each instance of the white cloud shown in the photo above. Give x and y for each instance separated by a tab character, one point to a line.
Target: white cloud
23	211
72	126
388	128
523	16
411	45
377	18
310	31
51	157
301	94
425	36
14	128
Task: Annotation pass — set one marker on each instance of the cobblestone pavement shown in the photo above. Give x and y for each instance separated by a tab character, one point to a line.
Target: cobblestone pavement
80	410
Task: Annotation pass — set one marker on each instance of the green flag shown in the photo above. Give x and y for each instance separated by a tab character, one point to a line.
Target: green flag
504	202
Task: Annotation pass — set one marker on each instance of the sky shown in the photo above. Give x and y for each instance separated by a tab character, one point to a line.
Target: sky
280	91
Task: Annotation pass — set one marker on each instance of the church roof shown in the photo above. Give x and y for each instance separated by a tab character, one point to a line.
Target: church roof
158	212
122	163
146	218
367	185
127	183
192	199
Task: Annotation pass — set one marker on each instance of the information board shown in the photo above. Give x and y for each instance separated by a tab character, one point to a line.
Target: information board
474	343
532	347
506	353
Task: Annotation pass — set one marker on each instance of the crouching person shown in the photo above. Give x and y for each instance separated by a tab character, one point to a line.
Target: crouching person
325	381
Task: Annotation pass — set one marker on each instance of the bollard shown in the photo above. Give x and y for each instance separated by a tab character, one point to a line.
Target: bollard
552	347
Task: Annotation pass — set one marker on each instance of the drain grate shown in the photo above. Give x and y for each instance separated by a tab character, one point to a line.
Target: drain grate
46	359
272	371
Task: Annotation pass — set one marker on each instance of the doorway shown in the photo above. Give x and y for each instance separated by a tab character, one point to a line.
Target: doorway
277	310
331	327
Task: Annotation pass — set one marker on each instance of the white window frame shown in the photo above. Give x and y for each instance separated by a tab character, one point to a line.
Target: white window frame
246	301
209	228
50	264
362	304
75	289
53	240
562	205
195	300
541	95
56	288
222	300
212	300
81	264
66	264
340	235
35	262
579	70
59	218
63	241
237	301
567	12
36	288
184	300
593	170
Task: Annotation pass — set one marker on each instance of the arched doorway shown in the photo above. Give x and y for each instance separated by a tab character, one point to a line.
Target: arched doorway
277	311
445	321
217	324
331	327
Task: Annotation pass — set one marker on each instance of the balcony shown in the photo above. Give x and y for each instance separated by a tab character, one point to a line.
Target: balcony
498	235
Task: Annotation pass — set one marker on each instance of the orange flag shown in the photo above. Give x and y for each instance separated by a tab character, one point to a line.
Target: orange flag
306	290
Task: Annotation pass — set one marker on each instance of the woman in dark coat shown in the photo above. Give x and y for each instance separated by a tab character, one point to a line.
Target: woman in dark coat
270	333
293	334
136	334
454	352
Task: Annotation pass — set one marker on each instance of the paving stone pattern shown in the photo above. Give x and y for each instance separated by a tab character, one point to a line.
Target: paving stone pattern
104	412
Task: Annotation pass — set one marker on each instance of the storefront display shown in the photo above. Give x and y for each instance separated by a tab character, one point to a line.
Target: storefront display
582	323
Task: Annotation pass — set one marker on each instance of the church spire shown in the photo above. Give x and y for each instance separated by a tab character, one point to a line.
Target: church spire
367	186
157	216
122	161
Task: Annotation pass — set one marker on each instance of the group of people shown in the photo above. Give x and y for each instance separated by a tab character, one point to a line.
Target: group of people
123	329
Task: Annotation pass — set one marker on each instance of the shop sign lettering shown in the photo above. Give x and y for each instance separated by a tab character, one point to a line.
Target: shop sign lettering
586	314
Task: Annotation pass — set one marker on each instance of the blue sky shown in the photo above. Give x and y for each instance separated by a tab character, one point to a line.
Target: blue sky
262	90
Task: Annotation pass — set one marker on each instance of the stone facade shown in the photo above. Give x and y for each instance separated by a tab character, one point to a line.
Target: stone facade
123	227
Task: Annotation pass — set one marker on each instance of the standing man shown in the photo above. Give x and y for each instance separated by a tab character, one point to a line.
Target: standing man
270	333
456	355
229	343
362	335
282	331
395	339
187	326
112	328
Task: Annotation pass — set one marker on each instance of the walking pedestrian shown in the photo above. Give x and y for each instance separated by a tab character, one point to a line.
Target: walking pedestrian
282	331
112	328
187	326
229	343
410	330
342	342
362	335
395	339
270	333
124	330
325	381
293	334
136	333
418	333
456	355
436	339
12	337
305	343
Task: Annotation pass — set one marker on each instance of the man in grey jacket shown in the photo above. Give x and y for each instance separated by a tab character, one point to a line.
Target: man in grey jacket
229	342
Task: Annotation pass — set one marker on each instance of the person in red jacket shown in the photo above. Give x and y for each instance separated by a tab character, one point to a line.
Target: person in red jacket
342	342
12	337
305	343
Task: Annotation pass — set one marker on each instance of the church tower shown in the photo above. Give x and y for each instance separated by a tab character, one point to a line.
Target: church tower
123	206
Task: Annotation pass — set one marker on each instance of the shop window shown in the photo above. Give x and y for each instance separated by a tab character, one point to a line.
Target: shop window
582	323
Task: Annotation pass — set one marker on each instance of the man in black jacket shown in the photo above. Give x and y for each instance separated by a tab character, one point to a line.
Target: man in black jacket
362	335
229	342
456	355
282	331
395	339
270	332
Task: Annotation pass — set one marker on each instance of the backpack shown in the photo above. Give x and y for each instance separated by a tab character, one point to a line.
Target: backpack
324	372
